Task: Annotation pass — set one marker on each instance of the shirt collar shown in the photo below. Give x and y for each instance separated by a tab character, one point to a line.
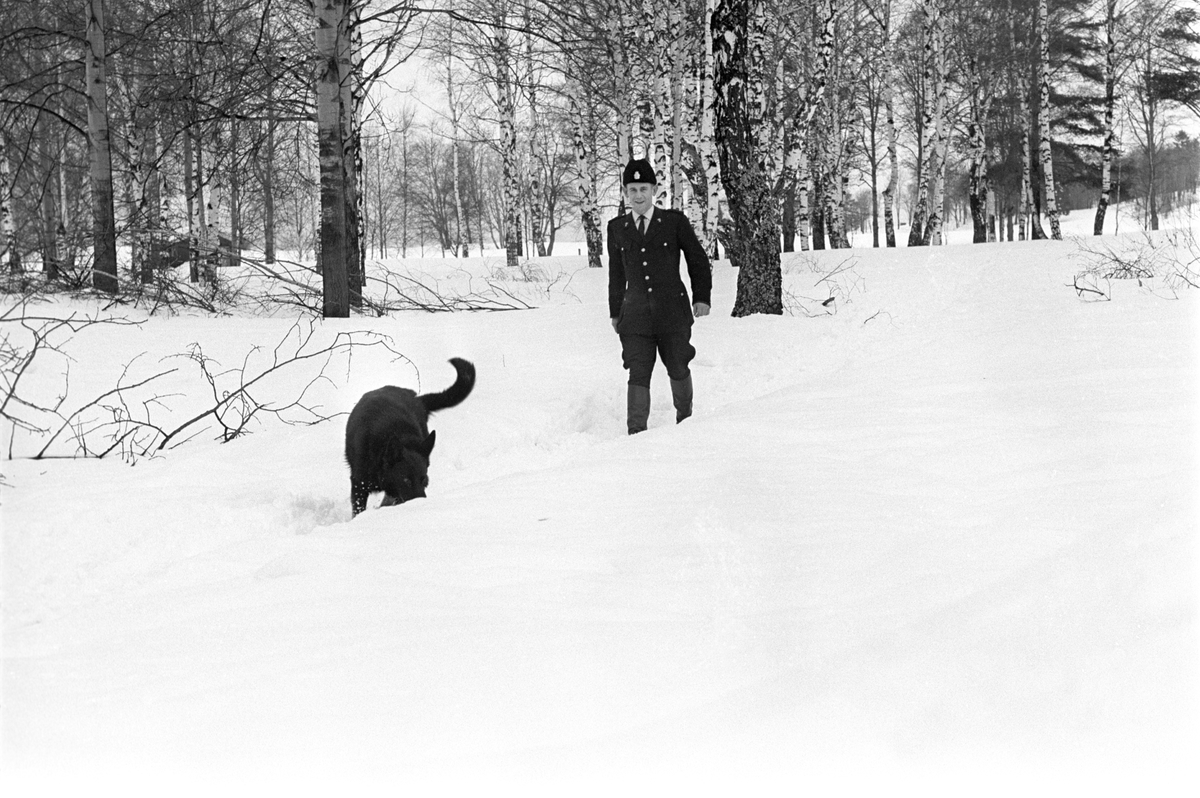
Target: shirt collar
649	215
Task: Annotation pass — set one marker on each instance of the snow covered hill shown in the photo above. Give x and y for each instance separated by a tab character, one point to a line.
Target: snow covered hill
938	535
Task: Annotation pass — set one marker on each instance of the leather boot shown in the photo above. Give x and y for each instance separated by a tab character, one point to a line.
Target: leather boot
681	392
639	408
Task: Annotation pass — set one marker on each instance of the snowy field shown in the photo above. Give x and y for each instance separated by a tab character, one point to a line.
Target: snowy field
938	536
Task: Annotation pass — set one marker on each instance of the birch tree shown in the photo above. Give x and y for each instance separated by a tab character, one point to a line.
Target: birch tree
104	225
583	134
1044	152
930	11
331	27
502	62
936	165
753	246
1108	149
708	138
9	255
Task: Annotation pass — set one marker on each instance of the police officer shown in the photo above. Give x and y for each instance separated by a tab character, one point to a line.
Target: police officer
647	301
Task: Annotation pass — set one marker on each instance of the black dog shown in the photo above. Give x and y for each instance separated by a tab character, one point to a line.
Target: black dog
388	441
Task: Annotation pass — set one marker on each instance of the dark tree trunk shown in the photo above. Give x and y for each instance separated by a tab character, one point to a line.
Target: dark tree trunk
753	246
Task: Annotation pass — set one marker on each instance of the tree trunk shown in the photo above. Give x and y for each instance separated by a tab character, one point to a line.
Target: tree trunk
930	14
889	104
708	141
619	36
536	197
104	225
46	203
66	255
8	229
676	61
455	170
268	179
803	181
583	138
502	53
932	234
1044	154
754	239
978	192
793	152
1109	148
207	241
350	98
331	25
404	194
235	195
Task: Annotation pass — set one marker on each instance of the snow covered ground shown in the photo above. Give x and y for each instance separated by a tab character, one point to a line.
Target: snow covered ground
940	538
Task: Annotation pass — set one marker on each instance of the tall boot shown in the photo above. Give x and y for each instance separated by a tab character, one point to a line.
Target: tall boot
639	408
681	393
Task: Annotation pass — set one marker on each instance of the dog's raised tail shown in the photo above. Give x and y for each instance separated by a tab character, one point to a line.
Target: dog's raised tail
460	390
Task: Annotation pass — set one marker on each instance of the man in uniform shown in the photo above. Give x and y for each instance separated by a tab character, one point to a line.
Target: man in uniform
647	301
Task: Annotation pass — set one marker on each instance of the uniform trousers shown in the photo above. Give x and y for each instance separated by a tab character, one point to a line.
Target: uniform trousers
675	349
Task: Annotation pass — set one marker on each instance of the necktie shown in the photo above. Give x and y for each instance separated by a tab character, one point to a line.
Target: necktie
642	225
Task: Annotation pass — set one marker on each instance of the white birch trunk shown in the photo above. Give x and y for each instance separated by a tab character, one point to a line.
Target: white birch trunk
708	140
536	198
937	153
624	88
1044	153
1109	149
505	106
104	226
583	141
660	100
8	228
920	214
677	91
889	104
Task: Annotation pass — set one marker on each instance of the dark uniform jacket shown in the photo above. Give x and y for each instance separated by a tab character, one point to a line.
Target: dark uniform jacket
645	292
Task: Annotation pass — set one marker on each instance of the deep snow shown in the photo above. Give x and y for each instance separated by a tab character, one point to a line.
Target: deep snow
943	538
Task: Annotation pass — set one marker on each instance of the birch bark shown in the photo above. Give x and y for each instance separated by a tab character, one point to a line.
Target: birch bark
350	99
502	56
104	226
1109	149
536	198
754	241
921	212
1044	153
8	228
932	234
980	105
708	140
583	138
331	153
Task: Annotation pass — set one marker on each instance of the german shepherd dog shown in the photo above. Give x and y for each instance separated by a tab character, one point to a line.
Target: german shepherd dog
388	441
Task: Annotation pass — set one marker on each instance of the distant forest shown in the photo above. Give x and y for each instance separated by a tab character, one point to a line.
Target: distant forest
210	131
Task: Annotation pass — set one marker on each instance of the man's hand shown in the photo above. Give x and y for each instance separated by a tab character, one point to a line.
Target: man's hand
614	323
699	309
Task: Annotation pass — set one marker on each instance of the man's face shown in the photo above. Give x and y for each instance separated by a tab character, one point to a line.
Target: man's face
639	196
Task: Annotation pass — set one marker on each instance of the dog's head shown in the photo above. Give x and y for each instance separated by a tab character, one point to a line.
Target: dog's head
406	475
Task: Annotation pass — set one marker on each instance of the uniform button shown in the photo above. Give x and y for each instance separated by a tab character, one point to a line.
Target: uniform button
643	249
645	264
647	277
649	290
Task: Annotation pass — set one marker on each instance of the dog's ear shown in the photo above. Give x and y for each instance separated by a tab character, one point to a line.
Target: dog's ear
426	448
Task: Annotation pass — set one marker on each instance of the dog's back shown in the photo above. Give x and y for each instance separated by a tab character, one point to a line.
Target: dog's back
388	440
